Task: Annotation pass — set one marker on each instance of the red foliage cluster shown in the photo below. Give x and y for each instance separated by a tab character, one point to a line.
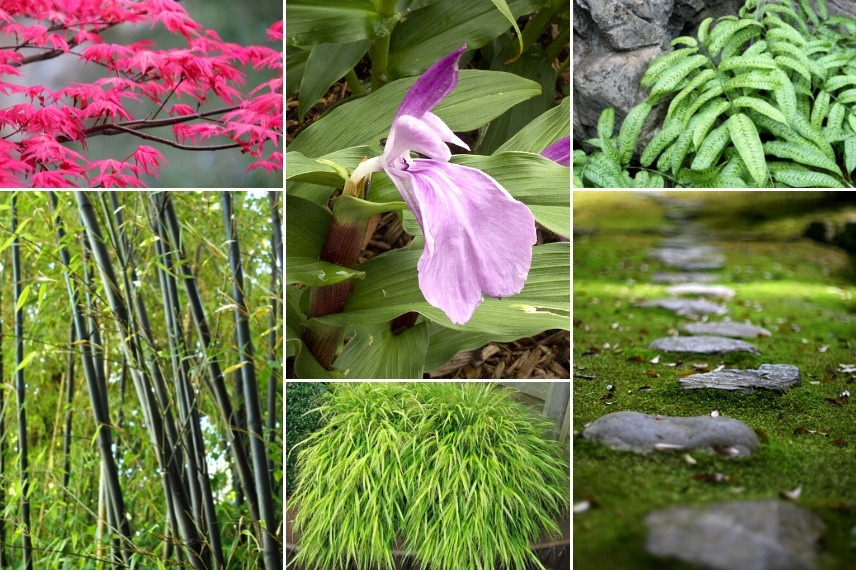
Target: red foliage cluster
32	134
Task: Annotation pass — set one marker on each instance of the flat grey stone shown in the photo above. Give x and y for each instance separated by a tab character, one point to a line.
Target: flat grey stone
702	290
702	345
776	377
745	535
684	277
726	328
643	433
687	307
701	257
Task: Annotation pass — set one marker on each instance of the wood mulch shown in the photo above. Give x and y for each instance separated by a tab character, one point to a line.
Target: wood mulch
546	355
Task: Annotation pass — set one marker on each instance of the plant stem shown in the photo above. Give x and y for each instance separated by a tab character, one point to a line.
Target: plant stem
354	83
379	50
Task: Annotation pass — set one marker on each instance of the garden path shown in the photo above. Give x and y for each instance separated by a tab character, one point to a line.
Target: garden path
764	534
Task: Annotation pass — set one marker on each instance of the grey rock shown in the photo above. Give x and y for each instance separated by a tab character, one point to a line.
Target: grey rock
702	290
687	307
725	328
776	377
643	433
702	345
842	7
744	535
684	277
690	259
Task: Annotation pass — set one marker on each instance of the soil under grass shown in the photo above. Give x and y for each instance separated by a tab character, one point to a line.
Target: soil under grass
805	293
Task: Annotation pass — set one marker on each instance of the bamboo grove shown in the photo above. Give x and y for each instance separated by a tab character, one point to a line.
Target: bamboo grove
141	406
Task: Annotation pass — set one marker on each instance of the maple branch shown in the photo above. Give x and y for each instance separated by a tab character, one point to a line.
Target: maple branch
122	129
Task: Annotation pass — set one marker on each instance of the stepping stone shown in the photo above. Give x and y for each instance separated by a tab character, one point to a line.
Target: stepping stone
725	328
716	291
753	535
684	277
776	377
701	257
687	307
643	433
702	345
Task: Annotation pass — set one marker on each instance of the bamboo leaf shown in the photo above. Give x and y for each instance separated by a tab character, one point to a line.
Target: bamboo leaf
22	299
745	137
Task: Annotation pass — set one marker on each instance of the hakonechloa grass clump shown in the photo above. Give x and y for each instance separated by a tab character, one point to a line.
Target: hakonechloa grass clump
459	475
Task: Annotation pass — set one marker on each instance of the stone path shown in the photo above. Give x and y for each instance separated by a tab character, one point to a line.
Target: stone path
763	535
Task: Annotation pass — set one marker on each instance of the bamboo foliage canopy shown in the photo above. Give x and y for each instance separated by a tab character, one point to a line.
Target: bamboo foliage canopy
141	400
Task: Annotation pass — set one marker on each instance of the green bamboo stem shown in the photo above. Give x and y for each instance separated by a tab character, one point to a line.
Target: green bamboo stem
379	50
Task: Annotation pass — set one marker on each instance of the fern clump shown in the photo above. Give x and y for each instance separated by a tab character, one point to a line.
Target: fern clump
761	99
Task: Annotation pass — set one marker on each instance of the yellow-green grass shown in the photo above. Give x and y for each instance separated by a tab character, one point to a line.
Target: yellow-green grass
803	292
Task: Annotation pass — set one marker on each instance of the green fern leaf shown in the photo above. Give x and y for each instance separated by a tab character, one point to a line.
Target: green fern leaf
839	81
745	137
662	63
761	106
807	155
715	91
757	48
787	48
660	141
743	62
834	60
708	178
753	80
785	34
705	119
796	65
850	154
836	135
790	13
605	128
674	75
711	148
723	32
821	9
785	94
603	172
629	132
846	97
836	115
815	135
851	120
685	40
809	11
580	157
817	46
690	87
578	178
703	29
805	179
736	41
819	109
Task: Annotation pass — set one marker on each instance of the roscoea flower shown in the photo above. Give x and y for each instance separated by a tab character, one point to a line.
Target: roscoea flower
478	239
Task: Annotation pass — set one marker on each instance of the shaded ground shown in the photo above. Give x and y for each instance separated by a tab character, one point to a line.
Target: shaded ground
802	291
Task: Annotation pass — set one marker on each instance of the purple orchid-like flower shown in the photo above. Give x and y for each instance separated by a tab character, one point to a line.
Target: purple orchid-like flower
559	151
478	239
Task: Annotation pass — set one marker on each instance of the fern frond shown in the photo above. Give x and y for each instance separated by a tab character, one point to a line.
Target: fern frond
681	147
817	46
745	137
662	63
689	88
743	62
787	11
629	132
796	65
685	40
821	8
834	60
810	156
785	34
819	109
815	135
660	141
836	115
736	41
706	118
711	148
753	80
760	106
708	178
703	30
674	75
580	157
785	94
757	48
836	135
797	178
850	153
700	101
809	11
605	128
603	172
839	81
723	32
846	97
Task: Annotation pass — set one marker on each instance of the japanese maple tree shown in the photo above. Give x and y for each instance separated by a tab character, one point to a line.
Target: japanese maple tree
43	140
